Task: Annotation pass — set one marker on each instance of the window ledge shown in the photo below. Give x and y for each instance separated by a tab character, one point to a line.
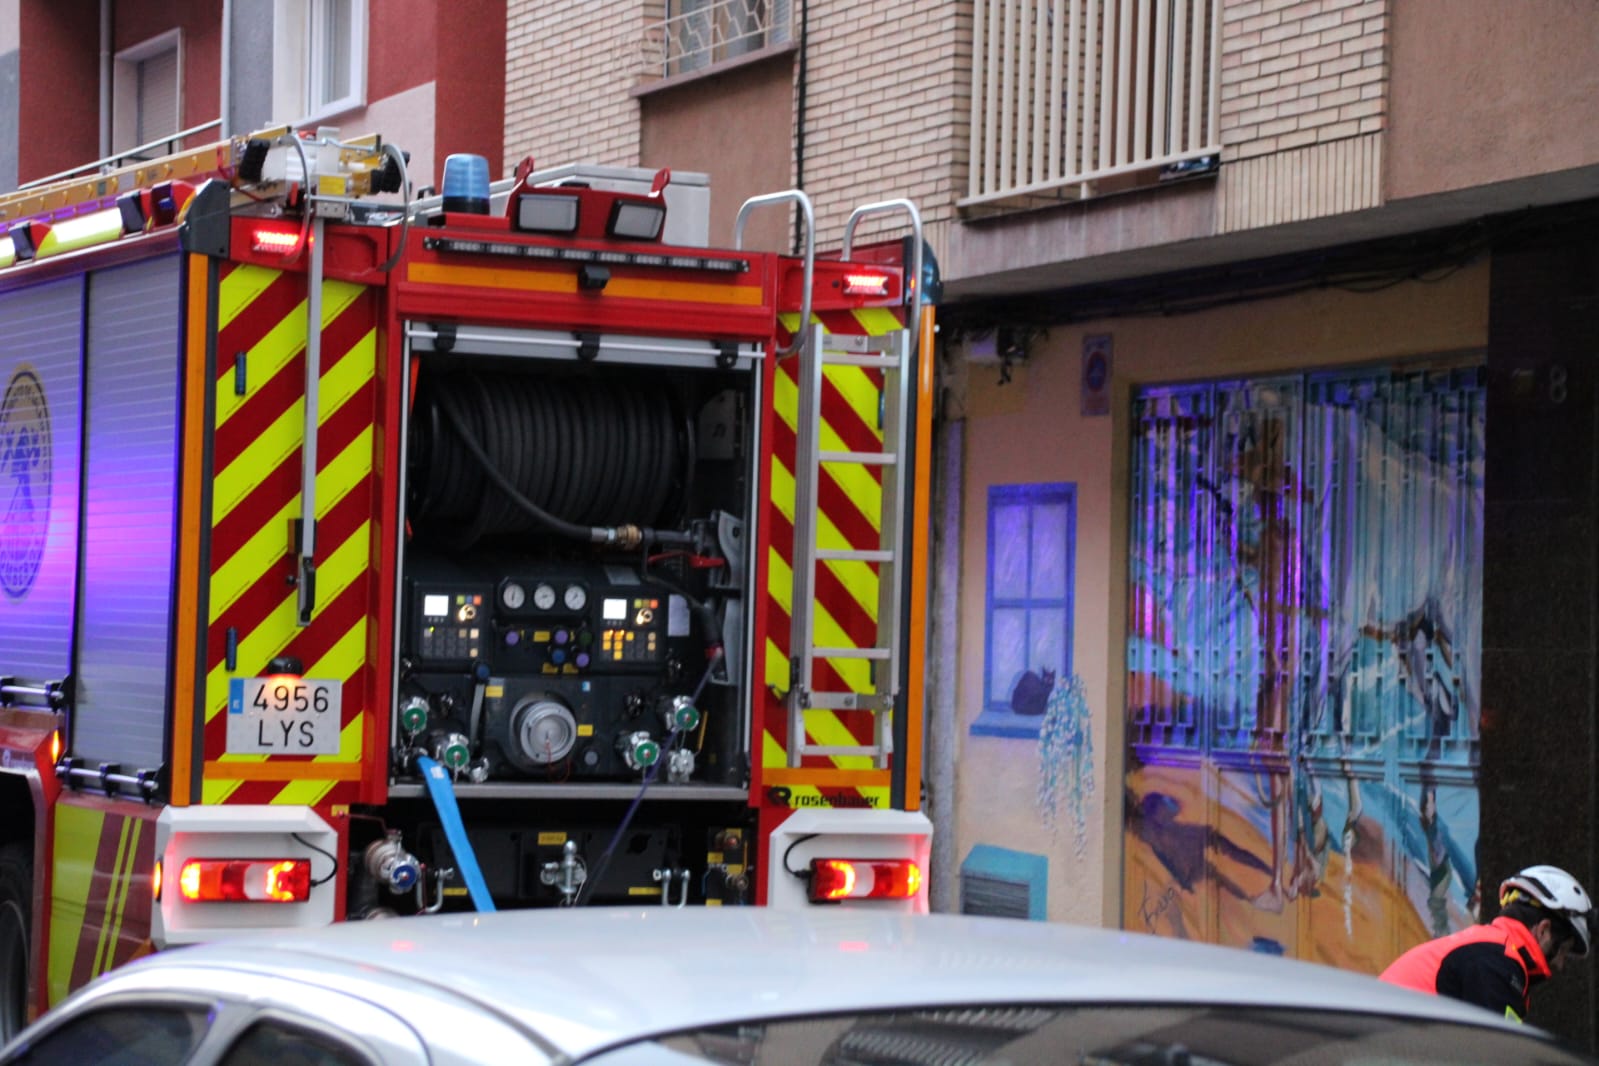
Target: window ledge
997	723
760	55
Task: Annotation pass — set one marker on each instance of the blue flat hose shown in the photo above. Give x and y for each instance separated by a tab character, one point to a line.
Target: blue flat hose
438	782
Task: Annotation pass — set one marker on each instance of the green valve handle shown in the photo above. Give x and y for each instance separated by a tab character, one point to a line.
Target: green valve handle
414	716
639	750
452	752
682	716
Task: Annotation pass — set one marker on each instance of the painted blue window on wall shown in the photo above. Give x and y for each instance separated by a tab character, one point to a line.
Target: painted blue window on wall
1032	538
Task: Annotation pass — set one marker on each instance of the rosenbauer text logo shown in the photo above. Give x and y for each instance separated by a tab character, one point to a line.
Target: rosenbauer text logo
24	481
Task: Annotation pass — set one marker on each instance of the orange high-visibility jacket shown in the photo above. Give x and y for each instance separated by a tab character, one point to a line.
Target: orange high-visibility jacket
1493	966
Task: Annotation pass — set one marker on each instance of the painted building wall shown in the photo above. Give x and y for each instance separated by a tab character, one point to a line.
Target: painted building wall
723	122
57	83
1466	73
998	778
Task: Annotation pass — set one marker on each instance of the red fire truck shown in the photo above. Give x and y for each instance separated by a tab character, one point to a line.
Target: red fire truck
367	556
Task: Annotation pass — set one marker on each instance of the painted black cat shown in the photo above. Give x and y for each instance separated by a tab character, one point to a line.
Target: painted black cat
1031	694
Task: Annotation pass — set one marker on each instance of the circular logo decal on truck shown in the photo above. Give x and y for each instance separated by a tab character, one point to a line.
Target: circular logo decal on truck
24	481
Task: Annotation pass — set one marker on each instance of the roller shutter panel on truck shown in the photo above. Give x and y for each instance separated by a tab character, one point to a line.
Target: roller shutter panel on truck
130	475
41	351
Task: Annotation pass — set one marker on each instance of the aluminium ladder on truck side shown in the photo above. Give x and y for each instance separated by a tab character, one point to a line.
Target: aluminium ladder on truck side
891	354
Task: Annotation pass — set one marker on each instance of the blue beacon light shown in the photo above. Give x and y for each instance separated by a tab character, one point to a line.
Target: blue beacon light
466	184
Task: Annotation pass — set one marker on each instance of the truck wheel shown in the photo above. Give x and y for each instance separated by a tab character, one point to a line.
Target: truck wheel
16	908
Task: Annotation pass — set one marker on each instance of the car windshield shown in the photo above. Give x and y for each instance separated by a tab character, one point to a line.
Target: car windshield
1118	1035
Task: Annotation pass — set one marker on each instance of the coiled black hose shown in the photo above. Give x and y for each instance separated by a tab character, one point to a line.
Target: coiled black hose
494	454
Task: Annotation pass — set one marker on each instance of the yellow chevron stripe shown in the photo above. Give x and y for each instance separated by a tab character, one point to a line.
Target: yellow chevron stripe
858	578
214	792
111	897
861	393
772	754
344	565
335	481
283	341
125	875
776	666
856	673
77	840
876	321
876	795
855	480
287	432
240	288
829	729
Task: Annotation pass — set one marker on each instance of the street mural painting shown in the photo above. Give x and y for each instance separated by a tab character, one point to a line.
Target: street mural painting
1304	657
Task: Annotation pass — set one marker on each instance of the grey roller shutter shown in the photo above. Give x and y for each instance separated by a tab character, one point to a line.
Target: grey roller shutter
41	351
130	496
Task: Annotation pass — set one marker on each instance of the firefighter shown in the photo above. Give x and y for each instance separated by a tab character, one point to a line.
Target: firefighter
1544	919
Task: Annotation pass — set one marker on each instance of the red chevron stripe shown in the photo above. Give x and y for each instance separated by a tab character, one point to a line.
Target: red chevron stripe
840	416
824	675
251	792
282	486
97	907
285	388
134	934
837	504
844	420
268	590
831	593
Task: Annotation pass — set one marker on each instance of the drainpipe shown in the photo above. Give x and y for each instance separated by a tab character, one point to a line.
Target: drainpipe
943	720
226	103
105	78
799	120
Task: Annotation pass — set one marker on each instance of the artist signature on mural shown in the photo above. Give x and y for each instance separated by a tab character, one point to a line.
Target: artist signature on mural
1150	912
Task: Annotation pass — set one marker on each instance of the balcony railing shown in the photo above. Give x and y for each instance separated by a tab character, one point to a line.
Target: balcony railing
696	34
1074	97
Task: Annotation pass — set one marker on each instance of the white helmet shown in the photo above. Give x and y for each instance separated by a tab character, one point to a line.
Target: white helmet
1555	891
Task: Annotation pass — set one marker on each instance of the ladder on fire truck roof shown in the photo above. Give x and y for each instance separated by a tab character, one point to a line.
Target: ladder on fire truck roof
891	355
339	167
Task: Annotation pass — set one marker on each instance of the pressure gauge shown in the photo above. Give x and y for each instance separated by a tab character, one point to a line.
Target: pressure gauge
575	597
513	595
544	597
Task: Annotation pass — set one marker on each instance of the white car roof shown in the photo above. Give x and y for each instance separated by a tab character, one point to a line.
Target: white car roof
588	979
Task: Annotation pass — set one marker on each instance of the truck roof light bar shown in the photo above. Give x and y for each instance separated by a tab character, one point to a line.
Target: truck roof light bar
466	246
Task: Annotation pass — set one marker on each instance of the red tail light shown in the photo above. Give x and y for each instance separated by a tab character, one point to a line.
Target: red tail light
274	240
245	880
865	284
839	879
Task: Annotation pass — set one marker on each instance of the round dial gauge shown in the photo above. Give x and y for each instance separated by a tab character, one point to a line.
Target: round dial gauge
575	597
513	595
544	597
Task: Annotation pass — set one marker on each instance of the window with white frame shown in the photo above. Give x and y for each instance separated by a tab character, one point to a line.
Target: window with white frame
146	95
318	58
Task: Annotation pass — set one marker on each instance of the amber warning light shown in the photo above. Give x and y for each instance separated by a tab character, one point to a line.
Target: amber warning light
245	880
833	880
